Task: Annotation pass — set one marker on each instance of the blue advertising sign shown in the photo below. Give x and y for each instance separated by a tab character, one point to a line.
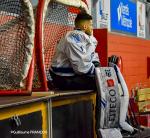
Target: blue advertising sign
124	16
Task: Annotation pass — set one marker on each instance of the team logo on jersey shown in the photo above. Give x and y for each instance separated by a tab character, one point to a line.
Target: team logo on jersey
76	38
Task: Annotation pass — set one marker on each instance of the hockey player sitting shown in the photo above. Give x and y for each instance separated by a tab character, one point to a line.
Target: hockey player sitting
74	62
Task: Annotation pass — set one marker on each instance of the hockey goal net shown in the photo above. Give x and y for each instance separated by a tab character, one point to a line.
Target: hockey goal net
16	46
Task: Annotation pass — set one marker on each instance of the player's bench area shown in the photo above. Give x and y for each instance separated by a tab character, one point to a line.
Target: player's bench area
27	45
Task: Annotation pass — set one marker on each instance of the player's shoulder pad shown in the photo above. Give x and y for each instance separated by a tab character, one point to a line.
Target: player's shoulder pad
77	37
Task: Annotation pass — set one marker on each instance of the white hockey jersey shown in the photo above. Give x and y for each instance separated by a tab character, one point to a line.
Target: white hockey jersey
74	54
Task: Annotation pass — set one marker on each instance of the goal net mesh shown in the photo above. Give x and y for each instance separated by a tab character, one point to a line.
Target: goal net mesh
16	42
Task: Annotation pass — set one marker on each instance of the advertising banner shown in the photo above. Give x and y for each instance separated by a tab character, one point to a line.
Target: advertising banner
103	14
124	16
140	19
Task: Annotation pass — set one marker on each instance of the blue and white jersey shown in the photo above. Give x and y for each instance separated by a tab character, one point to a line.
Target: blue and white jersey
74	54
